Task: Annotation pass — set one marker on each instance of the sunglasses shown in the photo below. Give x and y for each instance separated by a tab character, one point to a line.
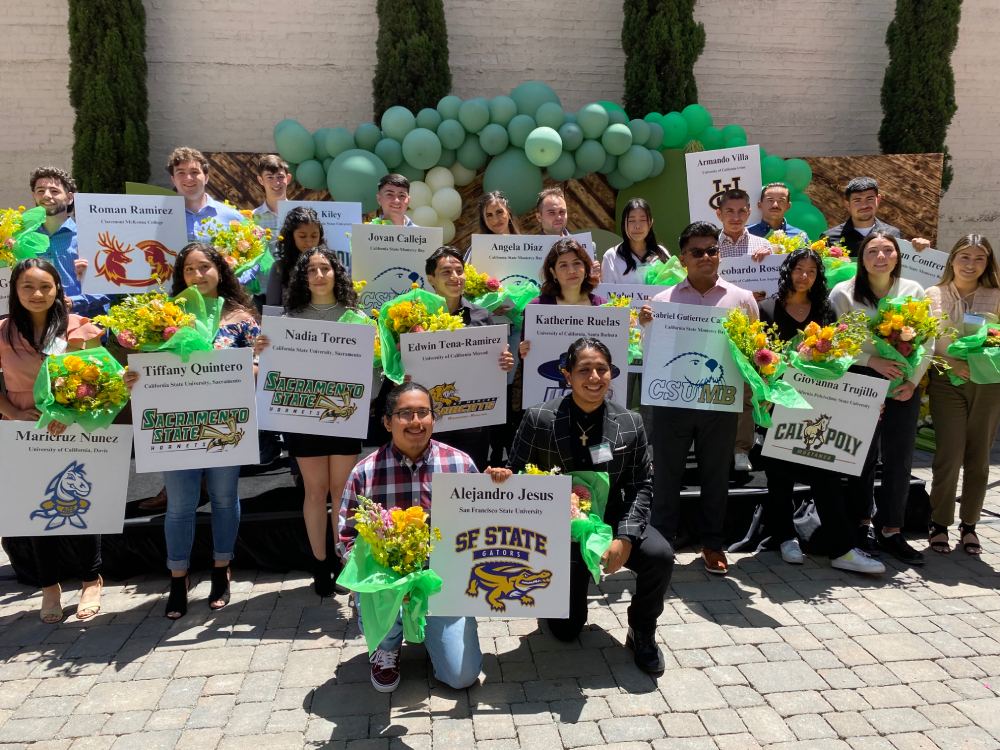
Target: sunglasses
711	252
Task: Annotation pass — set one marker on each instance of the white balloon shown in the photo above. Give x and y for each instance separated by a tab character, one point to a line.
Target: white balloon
439	177
448	233
448	203
420	194
425	216
463	176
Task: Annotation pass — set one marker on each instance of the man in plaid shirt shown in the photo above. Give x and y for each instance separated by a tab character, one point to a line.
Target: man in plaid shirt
398	475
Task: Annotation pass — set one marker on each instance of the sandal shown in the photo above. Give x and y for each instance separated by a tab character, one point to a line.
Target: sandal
177	601
972	546
220	588
937	537
85	612
56	612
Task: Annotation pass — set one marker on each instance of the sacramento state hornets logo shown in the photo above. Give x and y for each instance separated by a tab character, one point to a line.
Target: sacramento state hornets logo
324	400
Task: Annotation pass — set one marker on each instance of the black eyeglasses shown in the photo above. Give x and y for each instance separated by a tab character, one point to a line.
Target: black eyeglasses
407	415
711	252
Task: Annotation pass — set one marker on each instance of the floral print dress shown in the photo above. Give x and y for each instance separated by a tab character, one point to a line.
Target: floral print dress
238	335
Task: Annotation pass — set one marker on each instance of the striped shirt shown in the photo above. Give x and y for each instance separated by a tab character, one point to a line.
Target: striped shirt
745	245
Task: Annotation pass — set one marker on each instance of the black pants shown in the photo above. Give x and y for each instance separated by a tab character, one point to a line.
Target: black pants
474	440
502	435
652	561
79	554
714	435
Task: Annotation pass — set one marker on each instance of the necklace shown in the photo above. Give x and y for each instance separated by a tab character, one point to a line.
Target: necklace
323	310
583	433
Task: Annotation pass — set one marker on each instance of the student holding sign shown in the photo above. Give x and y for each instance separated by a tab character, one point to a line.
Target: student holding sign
301	231
38	325
862	199
626	263
966	414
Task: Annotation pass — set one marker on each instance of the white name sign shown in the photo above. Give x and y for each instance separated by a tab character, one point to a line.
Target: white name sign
711	173
925	267
5	290
514	258
391	259
336	218
638	294
748	274
504	549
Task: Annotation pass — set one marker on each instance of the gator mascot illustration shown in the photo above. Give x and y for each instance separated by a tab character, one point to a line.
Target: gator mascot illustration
116	257
335	411
444	395
506	580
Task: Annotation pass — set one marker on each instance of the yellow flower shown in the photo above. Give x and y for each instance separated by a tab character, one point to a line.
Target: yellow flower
837	353
885	328
898	321
760	340
812	329
826	333
399	516
810	342
90	373
73	363
767	370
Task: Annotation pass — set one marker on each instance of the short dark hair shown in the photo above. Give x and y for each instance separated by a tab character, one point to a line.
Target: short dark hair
182	154
550	285
862	287
549	192
860	185
573	353
394	395
53	173
271	163
734	194
775	185
446	251
697	229
396	180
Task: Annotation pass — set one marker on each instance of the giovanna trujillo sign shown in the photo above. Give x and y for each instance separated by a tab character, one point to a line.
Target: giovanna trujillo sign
837	432
504	549
195	414
316	377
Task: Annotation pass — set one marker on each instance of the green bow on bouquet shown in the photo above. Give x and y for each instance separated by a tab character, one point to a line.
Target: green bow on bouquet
982	351
591	489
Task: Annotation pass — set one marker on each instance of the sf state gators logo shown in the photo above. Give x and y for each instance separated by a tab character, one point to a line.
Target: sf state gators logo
503	580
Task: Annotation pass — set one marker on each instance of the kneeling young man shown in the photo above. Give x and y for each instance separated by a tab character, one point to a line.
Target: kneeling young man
585	432
398	475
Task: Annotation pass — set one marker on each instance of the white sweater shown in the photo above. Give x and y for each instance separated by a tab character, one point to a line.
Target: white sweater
842	299
613	268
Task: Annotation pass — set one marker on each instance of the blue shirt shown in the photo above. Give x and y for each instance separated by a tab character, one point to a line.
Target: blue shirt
762	228
61	253
212	209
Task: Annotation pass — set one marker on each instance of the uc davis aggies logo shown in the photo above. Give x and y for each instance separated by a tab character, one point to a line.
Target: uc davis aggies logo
715	202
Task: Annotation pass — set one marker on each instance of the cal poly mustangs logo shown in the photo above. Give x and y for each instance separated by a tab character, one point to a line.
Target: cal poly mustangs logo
206	429
694	377
817	434
500	567
67	501
447	401
325	400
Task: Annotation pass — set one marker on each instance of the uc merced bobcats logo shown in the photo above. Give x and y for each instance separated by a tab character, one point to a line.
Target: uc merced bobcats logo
447	401
66	502
817	434
500	567
694	376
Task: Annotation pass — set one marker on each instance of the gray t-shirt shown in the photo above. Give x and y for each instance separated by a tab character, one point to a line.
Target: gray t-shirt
333	313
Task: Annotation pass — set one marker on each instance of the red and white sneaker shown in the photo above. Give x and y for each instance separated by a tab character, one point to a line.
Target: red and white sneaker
385	670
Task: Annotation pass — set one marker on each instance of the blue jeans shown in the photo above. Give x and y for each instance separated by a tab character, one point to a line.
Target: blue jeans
183	498
452	643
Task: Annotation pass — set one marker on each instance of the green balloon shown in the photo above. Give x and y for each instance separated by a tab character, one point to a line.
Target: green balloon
474	115
697	118
772	169
617	118
617	139
562	168
798	173
655	139
366	135
675	130
390	151
531	95
295	143
736	143
421	148
471	155
733	131
635	164
570	116
410	172
518	179
619	181
448	157
326	163
763	153
291	171
612	107
397	122
519	129
580	173
543	147
502	110
590	156
808	218
354	177
319	139
494	139
451	134
711	138
311	175
801	198
448	107
654	117
550	115
610	164
658	164
282	124
593	120
428	118
571	136
339	140
640	131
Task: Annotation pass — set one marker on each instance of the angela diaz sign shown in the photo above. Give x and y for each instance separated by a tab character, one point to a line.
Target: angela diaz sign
504	549
316	377
194	414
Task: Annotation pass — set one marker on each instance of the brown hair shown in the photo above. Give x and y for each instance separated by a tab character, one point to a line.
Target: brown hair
53	173
229	289
183	154
497	197
862	288
734	194
549	192
990	277
550	285
271	163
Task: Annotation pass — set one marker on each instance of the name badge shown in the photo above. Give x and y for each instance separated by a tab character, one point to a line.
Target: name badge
600	454
974	320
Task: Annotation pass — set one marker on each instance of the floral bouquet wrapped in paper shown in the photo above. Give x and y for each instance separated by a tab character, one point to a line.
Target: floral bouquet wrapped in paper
826	353
757	352
836	262
903	327
387	564
482	289
635	330
982	351
660	273
84	388
245	244
19	235
410	313
786	244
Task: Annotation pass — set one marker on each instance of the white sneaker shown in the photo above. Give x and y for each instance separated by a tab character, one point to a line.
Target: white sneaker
858	561
743	462
791	552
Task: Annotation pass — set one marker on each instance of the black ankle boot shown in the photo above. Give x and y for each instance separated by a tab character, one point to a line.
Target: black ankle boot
177	601
323	580
220	587
647	653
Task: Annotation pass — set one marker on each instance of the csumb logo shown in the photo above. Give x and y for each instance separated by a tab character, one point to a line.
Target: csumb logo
502	572
553	370
695	377
816	434
447	401
715	202
398	279
517	278
67	501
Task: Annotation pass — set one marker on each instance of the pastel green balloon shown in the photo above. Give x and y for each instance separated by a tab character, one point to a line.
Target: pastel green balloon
474	115
562	168
711	138
801	198
571	136
448	107
518	179
543	147
772	169
697	118
612	107
428	118
675	130
619	181
658	164
448	157
281	125
570	116
311	175
502	110
390	151
636	164
354	177
733	131
610	164
580	173
295	143
798	174
616	139
494	139
397	122
319	139
366	135
736	143
326	163
531	95
550	115
421	148
339	140
410	172
593	120
590	156
655	139
654	117
640	131
471	155
519	129
451	134
616	117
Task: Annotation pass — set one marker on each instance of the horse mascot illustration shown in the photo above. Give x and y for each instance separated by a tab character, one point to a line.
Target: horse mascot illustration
68	490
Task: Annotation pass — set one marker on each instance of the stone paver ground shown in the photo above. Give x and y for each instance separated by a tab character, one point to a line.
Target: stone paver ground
777	656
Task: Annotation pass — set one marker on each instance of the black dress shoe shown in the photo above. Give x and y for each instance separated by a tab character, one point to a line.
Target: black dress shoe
899	548
647	653
323	580
866	541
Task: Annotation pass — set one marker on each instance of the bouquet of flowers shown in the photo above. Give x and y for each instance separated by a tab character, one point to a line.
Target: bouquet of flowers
85	388
354	316
410	313
757	352
903	327
660	273
836	262
635	330
246	246
982	351
786	244
19	235
826	353
481	286
387	563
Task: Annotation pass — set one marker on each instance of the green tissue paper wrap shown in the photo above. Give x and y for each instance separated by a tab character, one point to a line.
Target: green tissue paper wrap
837	270
29	242
770	388
353	316
984	361
392	362
593	535
665	274
831	369
51	411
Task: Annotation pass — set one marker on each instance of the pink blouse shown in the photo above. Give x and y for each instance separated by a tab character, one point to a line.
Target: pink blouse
21	362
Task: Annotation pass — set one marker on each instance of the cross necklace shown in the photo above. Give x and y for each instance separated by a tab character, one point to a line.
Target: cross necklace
583	434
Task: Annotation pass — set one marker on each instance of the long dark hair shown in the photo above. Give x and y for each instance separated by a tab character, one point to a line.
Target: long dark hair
818	294
497	197
299	295
625	249
56	319
235	296
550	284
286	252
862	287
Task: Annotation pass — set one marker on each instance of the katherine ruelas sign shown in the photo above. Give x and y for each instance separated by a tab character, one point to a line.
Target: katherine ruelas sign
195	414
711	173
337	219
517	258
130	242
391	259
925	267
836	432
315	378
504	549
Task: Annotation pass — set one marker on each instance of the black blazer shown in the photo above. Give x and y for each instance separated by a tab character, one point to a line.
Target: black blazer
852	237
543	439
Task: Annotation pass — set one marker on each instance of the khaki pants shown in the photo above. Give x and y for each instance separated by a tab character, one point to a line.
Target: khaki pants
966	418
745	425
